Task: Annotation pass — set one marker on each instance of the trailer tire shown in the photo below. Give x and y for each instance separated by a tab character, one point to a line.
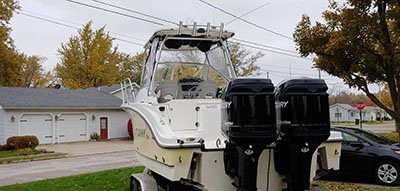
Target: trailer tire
135	185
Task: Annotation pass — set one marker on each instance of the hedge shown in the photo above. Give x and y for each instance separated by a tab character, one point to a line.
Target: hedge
22	142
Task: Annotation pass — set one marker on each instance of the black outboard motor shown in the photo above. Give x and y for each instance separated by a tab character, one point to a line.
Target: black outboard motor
252	116
303	124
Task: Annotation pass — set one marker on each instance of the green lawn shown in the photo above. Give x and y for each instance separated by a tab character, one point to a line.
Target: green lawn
118	180
115	180
8	156
394	136
20	152
364	122
4	154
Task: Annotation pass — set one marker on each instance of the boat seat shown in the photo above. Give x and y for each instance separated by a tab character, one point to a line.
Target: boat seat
167	91
207	90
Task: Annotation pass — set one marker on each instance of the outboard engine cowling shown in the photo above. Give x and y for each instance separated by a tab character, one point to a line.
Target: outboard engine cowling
303	124
251	127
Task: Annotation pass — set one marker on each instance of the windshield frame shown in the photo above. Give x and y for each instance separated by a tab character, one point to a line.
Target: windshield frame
160	49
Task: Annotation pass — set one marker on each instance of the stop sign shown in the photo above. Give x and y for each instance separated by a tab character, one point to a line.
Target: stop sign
360	105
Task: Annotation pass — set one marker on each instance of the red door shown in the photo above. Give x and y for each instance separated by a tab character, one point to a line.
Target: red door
103	128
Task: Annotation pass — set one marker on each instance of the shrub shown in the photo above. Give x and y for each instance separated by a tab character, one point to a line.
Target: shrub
95	136
22	142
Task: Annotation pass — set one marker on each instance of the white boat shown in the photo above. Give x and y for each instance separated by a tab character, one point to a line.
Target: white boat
199	127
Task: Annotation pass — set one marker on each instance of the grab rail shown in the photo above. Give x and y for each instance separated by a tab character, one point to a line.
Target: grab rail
126	86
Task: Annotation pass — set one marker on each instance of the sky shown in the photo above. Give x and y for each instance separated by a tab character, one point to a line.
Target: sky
43	25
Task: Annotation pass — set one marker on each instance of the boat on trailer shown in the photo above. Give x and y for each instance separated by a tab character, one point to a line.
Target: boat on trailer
197	126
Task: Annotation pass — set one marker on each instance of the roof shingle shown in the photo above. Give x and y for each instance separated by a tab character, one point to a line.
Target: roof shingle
11	97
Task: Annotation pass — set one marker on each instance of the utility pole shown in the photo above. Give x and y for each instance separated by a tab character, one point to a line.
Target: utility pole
290	69
319	73
267	75
380	99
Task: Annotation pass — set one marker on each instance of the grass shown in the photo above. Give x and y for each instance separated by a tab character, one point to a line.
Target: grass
8	156
4	154
116	180
343	186
20	152
394	136
364	122
377	122
343	124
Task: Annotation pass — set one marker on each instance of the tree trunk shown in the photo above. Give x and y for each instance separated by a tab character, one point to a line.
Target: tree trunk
397	122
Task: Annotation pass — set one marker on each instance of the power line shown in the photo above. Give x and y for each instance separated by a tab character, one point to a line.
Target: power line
246	21
114	12
272	51
169	21
78	24
136	12
266	46
50	17
112	5
255	9
293	68
70	26
281	72
48	20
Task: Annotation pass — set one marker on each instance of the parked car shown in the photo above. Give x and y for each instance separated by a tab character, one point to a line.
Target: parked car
368	155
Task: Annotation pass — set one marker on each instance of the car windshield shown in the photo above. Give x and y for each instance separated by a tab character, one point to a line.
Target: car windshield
373	137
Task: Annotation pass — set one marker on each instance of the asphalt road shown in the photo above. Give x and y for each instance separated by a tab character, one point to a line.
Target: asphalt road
45	169
377	128
384	128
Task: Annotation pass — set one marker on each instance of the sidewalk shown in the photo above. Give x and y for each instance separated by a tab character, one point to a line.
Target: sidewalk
90	148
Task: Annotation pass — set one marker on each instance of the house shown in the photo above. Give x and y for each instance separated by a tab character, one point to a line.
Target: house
343	113
346	113
375	114
60	115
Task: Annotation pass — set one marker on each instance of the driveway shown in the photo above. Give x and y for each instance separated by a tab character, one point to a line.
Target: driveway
39	170
90	148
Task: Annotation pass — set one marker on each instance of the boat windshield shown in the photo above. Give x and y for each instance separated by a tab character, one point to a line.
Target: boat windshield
176	64
214	58
199	62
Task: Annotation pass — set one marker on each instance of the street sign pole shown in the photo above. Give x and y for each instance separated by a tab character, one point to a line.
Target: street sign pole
360	106
360	120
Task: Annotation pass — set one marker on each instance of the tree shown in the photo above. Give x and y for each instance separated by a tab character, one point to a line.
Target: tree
32	73
131	66
88	59
384	96
244	60
10	59
359	43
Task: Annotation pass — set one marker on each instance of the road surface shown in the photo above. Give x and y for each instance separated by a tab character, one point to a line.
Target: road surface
45	169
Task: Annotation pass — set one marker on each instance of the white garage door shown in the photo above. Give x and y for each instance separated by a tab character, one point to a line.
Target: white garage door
72	127
37	125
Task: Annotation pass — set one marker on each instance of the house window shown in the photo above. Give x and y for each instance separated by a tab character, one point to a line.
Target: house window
338	114
352	114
